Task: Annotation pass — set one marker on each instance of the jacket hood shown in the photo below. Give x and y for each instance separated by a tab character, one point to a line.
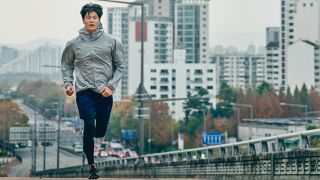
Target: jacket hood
86	36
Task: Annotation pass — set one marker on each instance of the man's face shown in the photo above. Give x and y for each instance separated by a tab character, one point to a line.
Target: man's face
91	21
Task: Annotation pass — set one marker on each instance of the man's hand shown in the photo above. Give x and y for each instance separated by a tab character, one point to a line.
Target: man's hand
69	90
106	91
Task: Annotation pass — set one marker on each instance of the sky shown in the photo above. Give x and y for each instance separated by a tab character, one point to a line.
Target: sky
237	23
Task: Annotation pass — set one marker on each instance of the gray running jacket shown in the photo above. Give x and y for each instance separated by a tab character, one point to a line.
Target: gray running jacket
97	59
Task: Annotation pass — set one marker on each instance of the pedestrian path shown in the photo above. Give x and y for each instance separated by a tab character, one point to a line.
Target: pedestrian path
26	178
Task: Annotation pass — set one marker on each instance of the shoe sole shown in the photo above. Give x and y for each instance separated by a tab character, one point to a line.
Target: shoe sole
93	176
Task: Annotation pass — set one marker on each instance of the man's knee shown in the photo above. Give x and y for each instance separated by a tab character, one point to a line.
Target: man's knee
100	134
89	121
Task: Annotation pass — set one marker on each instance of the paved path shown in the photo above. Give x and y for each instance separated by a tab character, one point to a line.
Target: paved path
22	178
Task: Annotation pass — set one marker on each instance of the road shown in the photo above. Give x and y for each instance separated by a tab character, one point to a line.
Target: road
67	158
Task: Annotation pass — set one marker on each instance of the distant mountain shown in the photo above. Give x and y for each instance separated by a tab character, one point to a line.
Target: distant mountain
7	54
37	43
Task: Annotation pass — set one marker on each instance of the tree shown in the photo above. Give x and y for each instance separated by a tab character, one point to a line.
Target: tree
10	116
288	111
264	87
304	95
161	123
5	86
226	96
195	106
46	95
314	99
122	119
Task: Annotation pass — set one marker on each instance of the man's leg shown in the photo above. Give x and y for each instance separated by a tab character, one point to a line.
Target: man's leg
104	107
88	142
87	111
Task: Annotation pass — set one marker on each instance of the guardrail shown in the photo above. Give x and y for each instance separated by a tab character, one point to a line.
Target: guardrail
264	146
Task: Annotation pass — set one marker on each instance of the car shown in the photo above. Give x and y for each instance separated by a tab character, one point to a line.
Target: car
103	154
78	148
46	143
76	143
96	153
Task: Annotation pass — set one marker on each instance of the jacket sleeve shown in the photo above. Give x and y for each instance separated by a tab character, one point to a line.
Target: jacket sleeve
119	64
67	65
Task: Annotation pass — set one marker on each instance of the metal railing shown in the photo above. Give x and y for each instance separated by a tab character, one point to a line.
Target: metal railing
224	151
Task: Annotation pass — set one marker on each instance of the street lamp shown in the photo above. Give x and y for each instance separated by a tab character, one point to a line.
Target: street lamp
238	118
297	105
313	112
141	90
34	142
59	119
245	105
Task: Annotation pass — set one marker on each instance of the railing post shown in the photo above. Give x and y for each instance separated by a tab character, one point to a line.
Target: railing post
235	151
198	155
223	152
156	159
189	156
252	149
280	146
163	158
264	146
179	156
304	142
210	153
171	157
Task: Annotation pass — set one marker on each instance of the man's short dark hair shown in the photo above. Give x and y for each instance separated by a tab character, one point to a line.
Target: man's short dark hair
91	7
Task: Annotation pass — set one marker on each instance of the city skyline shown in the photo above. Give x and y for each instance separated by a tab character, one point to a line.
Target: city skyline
231	22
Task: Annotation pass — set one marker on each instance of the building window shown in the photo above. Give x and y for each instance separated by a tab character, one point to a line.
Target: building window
164	96
164	88
153	87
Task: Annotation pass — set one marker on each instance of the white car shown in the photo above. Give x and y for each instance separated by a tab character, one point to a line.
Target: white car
78	148
103	154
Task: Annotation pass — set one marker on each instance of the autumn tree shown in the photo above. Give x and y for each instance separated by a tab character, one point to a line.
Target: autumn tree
314	100
43	95
122	119
10	115
159	127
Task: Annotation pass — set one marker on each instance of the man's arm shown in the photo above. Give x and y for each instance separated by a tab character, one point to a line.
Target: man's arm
119	64
67	68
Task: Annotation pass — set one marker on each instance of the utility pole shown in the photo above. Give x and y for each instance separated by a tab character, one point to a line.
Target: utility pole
34	144
44	143
58	133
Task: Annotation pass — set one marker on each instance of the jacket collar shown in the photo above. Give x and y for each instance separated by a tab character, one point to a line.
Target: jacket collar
86	36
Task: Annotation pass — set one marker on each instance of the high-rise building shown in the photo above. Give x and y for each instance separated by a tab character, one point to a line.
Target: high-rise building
273	59
35	61
157	46
303	53
191	29
166	81
273	34
118	27
288	10
303	65
240	70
